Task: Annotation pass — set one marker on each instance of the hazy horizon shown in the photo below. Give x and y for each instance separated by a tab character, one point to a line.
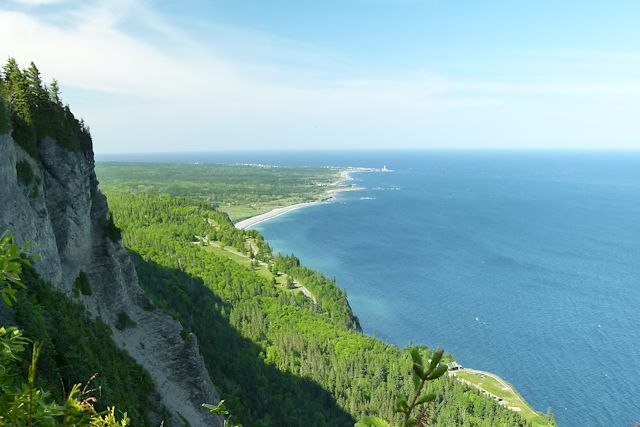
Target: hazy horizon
151	75
381	149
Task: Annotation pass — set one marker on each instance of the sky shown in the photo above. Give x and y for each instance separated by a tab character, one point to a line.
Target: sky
206	75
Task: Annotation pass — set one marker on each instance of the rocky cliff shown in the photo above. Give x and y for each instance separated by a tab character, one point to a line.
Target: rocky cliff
60	211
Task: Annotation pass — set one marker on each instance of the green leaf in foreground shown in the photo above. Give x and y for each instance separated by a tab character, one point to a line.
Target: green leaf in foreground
420	378
370	421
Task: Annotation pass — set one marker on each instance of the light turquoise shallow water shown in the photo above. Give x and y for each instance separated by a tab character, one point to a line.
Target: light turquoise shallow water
524	264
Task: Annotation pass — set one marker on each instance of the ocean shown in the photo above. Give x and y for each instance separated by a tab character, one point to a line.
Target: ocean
525	264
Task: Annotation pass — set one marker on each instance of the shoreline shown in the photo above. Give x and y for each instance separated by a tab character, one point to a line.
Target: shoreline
274	213
508	397
329	197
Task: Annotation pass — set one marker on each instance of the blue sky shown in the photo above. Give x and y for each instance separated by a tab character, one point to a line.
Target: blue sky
170	75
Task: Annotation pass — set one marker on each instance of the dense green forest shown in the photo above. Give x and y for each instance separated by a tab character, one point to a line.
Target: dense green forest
34	111
239	190
276	357
75	347
60	367
279	340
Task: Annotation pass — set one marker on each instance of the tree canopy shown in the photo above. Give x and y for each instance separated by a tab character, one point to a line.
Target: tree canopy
34	111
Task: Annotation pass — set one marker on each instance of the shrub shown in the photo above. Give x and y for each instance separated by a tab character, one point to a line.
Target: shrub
24	172
26	177
415	409
24	134
146	304
111	230
184	333
5	123
22	401
124	321
82	285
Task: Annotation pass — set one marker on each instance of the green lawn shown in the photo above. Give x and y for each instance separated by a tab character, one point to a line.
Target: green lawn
507	393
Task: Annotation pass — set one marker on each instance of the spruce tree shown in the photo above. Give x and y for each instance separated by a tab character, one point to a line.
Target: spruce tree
5	122
54	92
17	88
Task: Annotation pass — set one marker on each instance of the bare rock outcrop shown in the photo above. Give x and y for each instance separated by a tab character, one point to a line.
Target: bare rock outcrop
63	216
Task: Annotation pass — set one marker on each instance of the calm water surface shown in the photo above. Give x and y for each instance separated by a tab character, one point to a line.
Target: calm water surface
523	264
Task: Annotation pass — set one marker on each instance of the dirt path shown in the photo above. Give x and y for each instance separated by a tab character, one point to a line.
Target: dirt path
296	285
505	386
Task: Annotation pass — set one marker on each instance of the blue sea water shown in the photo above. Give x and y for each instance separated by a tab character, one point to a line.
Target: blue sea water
526	264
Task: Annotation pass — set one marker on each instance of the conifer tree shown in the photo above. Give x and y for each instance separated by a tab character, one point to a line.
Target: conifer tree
54	92
34	78
5	122
17	90
38	96
17	96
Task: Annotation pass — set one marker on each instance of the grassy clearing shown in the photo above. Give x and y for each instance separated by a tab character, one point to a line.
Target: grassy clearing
240	259
239	212
507	393
261	269
241	191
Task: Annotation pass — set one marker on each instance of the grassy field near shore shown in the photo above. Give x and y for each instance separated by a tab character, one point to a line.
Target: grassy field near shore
241	191
500	389
134	194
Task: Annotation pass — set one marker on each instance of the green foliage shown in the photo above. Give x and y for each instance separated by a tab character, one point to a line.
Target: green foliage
124	321
5	121
420	374
54	92
11	263
239	190
76	347
22	401
36	112
17	91
370	421
81	285
326	290
276	357
221	410
24	172
111	230
26	177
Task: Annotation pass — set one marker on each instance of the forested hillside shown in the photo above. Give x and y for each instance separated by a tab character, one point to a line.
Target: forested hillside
37	111
58	384
277	358
75	348
82	304
278	339
241	191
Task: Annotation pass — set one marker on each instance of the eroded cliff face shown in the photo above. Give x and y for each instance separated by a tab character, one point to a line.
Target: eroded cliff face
63	217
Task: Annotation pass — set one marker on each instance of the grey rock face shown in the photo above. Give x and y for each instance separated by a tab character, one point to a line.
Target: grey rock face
64	221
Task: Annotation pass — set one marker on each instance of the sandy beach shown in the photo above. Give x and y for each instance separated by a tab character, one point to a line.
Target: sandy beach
246	223
338	186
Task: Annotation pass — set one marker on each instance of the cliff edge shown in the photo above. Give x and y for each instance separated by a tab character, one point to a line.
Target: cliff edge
53	203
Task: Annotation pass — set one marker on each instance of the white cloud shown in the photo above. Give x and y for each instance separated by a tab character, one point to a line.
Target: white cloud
166	77
37	2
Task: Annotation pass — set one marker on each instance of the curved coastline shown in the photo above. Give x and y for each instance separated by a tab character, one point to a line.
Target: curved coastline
330	196
254	220
507	395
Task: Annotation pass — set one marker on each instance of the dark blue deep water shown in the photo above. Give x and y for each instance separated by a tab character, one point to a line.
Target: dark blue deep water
526	264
